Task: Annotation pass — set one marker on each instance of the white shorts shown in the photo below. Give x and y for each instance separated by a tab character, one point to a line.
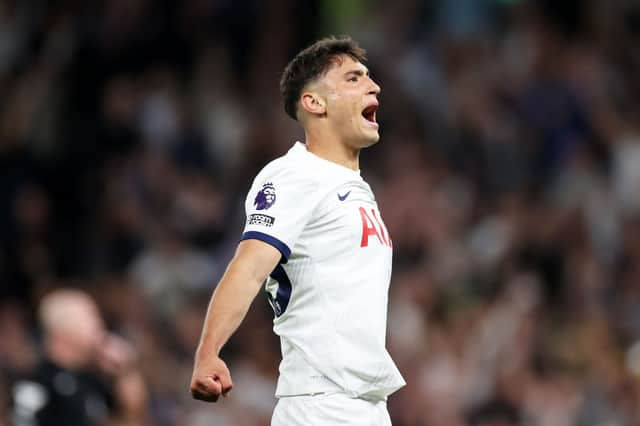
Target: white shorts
328	410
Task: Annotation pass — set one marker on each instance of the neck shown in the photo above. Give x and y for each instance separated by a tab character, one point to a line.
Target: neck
61	354
332	148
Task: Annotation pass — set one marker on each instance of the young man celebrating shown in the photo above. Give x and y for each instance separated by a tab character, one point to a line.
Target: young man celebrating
315	233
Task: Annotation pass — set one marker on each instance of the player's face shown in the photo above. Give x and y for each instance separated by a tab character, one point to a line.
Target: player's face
352	102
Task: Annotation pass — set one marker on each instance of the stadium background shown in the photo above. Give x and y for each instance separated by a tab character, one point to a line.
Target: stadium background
508	174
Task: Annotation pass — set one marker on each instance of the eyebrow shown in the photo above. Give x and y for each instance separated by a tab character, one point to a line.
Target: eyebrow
359	73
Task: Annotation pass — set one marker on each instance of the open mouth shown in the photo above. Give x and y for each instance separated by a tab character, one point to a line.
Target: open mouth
369	113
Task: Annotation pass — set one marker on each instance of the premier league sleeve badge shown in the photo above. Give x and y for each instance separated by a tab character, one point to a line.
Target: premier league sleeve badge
266	197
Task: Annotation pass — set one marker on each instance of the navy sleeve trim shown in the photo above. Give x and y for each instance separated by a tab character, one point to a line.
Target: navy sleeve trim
282	247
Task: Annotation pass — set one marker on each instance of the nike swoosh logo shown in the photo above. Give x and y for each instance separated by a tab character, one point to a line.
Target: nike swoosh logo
343	197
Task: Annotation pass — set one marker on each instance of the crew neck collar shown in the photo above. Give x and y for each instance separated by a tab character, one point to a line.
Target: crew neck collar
302	148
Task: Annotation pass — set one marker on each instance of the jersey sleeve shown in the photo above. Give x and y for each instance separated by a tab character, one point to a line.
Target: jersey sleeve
278	206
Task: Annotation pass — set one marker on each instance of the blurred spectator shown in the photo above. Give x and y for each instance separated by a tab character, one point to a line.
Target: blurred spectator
87	376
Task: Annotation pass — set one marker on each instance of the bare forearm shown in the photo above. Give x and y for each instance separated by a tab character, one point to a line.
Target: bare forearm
229	305
252	263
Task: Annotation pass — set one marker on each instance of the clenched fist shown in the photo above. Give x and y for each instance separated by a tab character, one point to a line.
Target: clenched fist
211	378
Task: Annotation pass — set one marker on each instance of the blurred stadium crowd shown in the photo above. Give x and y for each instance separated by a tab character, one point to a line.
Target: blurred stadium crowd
508	174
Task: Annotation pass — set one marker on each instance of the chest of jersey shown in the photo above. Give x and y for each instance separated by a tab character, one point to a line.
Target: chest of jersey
347	227
343	254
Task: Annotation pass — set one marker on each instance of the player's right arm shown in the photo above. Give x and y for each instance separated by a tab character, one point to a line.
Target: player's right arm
253	261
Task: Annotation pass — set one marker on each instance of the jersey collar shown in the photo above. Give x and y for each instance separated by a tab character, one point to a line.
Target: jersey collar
300	148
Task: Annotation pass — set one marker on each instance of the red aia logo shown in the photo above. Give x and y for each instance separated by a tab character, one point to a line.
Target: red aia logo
373	227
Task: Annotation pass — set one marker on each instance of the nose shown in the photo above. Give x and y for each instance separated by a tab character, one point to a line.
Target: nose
374	89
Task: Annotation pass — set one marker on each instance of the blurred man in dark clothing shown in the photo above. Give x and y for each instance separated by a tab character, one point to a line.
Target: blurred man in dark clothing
87	377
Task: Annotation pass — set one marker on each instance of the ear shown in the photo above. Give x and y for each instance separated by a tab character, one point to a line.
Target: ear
313	103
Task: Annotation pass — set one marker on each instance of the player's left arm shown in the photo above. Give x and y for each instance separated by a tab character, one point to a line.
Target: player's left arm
253	262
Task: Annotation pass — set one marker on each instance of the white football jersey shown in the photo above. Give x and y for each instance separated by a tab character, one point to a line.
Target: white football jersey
330	291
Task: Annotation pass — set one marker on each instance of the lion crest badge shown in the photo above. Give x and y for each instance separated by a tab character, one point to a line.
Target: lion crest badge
266	197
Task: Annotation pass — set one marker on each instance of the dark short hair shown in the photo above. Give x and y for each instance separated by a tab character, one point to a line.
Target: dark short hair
311	63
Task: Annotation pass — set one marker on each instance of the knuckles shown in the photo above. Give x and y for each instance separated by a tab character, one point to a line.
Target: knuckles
203	395
206	389
200	390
